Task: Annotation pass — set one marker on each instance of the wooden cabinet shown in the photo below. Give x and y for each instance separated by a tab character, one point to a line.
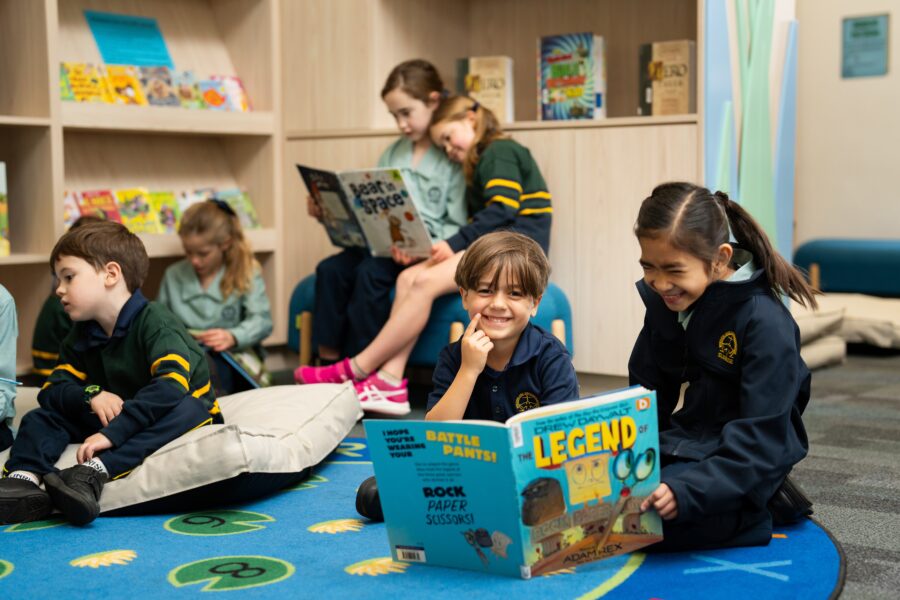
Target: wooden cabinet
336	54
51	146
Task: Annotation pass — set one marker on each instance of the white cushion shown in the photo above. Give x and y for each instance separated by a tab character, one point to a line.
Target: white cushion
814	324
825	351
281	429
867	319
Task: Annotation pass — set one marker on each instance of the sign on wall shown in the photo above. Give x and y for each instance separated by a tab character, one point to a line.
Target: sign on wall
865	46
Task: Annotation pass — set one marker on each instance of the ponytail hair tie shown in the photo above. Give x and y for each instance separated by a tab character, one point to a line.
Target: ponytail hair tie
723	199
475	106
223	206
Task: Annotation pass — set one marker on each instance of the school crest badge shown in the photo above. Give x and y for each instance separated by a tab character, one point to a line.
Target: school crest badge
728	347
526	401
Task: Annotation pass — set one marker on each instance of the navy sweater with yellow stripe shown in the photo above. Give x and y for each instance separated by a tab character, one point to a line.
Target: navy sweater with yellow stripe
150	361
507	192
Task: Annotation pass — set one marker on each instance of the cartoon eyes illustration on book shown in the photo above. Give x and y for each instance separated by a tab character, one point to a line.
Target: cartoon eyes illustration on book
593	470
626	465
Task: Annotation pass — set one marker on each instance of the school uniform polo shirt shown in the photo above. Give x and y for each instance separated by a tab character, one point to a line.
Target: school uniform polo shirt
439	188
247	316
539	373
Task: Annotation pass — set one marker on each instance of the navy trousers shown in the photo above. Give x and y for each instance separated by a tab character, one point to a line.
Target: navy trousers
44	435
6	436
353	299
746	527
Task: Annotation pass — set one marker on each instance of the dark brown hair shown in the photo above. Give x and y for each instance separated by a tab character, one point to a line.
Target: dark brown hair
697	221
102	242
519	258
222	226
418	78
487	127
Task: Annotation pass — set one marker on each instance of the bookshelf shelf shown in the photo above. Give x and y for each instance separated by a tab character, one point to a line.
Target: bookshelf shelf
508	127
154	119
51	146
169	245
24	121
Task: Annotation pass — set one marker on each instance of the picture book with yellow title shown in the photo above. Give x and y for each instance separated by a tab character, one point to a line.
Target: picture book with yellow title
550	489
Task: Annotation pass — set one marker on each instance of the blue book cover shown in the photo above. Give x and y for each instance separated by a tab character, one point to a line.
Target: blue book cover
571	77
549	489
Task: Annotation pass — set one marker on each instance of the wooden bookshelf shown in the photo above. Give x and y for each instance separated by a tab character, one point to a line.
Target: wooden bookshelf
51	146
598	171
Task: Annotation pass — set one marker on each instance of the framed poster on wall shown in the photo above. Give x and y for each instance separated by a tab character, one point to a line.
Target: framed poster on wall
865	46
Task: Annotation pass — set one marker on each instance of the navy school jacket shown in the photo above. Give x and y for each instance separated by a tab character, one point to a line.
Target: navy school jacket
740	423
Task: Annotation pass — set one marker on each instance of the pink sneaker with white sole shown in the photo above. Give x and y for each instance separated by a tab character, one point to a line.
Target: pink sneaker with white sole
338	372
378	396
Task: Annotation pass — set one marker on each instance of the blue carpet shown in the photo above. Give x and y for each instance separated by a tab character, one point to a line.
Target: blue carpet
308	541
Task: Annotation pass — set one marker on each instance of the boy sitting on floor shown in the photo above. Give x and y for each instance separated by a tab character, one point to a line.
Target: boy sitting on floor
503	364
129	380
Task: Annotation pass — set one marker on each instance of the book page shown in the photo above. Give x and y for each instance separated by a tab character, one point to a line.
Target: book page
386	211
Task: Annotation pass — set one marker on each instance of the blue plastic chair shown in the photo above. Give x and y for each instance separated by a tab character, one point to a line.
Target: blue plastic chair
446	323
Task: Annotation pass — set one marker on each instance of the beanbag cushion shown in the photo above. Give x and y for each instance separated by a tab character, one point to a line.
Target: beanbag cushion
867	319
271	438
824	351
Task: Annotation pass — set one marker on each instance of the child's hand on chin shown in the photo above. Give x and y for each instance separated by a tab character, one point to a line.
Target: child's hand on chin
663	500
476	346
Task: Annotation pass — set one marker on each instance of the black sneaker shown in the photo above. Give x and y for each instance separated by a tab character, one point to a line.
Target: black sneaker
368	502
790	504
76	492
22	501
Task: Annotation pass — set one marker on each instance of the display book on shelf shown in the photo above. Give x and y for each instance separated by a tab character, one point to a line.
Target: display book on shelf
4	213
667	78
153	86
571	78
551	488
489	80
152	211
368	208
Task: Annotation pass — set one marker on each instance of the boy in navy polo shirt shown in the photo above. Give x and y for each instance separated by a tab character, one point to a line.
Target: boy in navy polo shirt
129	379
503	364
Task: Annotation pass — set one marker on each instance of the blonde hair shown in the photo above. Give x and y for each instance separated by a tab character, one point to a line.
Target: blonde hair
220	225
487	127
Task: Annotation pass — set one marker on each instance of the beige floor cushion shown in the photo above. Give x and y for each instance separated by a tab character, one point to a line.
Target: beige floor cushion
268	433
867	319
824	351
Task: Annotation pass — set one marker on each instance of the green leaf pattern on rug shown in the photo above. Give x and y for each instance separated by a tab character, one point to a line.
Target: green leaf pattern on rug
307	484
217	522
35	525
226	573
5	568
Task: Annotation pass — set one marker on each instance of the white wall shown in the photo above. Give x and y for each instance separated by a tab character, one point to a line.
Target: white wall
848	130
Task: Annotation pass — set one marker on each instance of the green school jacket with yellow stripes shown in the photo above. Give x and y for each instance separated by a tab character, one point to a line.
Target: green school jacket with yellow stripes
507	192
150	361
52	326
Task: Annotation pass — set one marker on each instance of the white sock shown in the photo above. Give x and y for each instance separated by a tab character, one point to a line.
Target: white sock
26	475
97	464
388	378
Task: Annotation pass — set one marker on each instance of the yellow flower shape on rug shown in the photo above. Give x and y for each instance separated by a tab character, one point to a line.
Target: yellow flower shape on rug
336	526
384	565
569	571
105	559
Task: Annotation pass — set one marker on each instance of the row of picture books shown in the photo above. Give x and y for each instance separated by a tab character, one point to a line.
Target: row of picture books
150	86
146	211
571	79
